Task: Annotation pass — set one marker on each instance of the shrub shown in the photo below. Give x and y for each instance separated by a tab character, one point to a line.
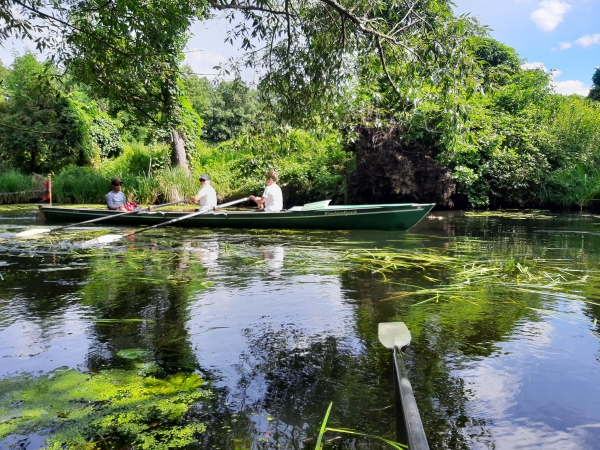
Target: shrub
80	185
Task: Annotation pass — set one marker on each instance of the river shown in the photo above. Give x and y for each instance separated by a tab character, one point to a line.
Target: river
502	308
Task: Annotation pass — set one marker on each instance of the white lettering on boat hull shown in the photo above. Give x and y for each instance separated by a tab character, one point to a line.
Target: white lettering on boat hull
340	213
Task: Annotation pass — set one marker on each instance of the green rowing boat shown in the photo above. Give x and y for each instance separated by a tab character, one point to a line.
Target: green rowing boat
319	215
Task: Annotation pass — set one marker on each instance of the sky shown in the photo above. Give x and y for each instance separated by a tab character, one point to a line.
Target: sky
559	35
562	36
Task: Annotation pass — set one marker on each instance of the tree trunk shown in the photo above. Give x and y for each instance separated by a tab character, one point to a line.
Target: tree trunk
178	157
32	161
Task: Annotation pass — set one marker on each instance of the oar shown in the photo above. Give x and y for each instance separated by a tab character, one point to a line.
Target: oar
394	334
109	238
35	231
409	427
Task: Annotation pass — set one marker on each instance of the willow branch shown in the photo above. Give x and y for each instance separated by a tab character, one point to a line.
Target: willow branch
385	69
55	19
289	31
239	7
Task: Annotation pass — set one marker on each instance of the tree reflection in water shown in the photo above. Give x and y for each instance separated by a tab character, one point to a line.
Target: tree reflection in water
153	286
291	377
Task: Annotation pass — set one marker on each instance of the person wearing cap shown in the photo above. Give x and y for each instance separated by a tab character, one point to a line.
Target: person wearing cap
115	199
206	196
272	198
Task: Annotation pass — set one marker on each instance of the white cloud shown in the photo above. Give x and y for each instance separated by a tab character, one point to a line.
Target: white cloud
202	62
571	87
567	87
565	45
588	39
550	14
534	65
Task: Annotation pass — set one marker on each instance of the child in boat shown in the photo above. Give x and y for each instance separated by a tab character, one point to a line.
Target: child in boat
206	196
115	199
272	198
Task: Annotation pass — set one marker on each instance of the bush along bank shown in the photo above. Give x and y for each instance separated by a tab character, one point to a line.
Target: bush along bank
311	167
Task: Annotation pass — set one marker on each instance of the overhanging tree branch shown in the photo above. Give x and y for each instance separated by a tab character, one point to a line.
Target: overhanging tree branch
237	6
384	65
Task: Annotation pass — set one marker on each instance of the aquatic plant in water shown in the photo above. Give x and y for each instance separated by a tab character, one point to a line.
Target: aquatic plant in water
111	408
467	268
325	428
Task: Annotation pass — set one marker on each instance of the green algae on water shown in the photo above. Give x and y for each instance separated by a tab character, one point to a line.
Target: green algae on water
513	214
113	408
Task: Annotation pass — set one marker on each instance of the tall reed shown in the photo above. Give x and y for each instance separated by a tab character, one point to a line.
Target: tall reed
16	187
80	185
14	181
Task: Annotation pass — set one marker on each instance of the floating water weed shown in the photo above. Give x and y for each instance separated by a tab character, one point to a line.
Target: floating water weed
133	353
470	276
114	408
512	214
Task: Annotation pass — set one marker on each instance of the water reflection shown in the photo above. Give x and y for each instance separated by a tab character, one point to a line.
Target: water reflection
140	299
283	324
274	257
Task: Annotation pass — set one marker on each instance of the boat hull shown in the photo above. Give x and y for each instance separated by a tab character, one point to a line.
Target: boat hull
398	217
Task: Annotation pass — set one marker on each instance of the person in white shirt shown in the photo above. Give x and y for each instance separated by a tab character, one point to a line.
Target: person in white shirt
272	198
206	196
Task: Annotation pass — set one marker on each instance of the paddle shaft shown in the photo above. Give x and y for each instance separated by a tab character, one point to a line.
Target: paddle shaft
224	205
112	216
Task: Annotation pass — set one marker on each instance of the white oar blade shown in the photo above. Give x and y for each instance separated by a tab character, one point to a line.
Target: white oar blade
32	232
109	238
316	205
102	240
394	334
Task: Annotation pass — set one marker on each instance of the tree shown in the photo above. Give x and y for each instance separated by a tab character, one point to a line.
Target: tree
307	51
24	19
233	107
198	90
129	52
42	129
595	91
499	62
312	52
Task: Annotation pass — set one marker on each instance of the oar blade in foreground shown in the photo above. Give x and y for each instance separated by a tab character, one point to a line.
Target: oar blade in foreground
394	334
32	232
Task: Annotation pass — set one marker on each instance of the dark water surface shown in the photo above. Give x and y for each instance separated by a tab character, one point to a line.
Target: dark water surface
284	323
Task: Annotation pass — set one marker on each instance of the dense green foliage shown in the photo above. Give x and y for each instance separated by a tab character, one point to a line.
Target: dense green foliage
310	168
42	129
14	181
525	145
513	142
595	91
129	53
45	127
490	132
